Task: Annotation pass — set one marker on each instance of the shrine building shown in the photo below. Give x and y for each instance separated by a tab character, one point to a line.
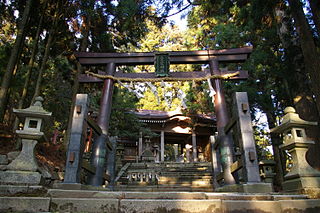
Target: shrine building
177	137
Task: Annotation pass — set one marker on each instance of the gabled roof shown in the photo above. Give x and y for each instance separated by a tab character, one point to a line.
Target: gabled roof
157	116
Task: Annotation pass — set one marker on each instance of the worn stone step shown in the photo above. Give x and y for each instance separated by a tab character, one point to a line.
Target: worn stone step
191	202
188	168
186	183
171	195
197	184
185	177
24	204
170	174
167	188
177	174
127	202
183	180
170	164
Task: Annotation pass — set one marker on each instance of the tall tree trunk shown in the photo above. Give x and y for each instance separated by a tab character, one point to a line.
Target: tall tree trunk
43	65
30	63
310	54
315	8
13	59
29	70
300	92
47	51
75	87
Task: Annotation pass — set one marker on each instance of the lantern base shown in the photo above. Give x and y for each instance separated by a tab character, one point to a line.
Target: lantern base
26	160
17	189
20	178
302	185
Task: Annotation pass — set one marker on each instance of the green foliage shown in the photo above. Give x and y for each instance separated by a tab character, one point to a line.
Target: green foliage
263	142
165	97
123	121
198	99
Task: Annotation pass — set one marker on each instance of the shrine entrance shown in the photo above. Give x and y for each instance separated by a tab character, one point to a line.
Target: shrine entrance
224	162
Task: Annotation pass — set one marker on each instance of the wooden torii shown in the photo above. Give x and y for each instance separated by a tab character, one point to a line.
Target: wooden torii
212	57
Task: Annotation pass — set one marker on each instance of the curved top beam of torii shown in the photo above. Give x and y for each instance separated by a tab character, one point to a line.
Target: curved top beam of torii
176	57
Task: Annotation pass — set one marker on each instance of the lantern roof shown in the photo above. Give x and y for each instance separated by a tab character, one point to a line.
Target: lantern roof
35	110
291	119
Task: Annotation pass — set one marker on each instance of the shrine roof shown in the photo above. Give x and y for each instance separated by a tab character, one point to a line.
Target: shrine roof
171	115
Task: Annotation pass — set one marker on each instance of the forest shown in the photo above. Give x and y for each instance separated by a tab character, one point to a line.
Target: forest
38	39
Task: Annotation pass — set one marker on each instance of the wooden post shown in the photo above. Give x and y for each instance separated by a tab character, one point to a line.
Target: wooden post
176	152
226	145
162	146
140	146
194	146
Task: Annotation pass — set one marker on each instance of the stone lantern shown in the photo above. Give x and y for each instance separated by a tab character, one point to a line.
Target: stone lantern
267	170
119	156
147	154
24	168
33	118
302	177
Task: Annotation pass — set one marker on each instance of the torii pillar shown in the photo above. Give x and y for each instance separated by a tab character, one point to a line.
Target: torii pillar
99	151
220	107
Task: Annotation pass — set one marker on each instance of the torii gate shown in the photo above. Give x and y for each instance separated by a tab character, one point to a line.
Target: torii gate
211	57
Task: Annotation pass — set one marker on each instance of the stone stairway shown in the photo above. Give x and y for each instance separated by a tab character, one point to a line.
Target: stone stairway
189	177
58	200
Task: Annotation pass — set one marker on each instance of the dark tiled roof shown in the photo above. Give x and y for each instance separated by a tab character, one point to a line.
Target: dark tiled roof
163	115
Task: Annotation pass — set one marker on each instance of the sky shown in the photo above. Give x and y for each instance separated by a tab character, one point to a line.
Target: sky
180	19
180	22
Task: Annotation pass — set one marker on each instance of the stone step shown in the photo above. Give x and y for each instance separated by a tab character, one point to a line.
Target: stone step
184	181
173	169
175	179
172	177
188	164
58	200
191	202
55	193
168	184
24	204
170	168
185	170
185	177
164	188
170	164
186	184
197	174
